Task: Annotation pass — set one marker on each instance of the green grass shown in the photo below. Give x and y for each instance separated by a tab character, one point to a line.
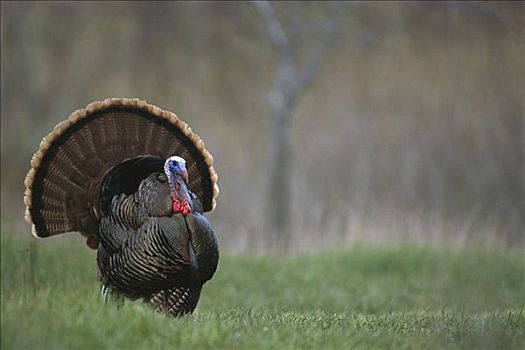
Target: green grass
382	297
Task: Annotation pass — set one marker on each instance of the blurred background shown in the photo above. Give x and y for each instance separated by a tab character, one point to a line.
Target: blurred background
331	124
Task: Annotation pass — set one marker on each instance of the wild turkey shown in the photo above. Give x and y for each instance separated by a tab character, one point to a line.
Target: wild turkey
135	181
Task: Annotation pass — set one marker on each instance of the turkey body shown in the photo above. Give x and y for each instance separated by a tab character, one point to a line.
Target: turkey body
148	252
122	173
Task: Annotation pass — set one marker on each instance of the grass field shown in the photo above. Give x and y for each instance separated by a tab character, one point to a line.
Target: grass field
361	298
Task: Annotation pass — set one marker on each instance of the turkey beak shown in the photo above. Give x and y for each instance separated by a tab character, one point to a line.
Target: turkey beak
185	176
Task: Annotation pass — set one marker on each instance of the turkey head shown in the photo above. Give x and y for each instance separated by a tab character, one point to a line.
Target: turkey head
175	169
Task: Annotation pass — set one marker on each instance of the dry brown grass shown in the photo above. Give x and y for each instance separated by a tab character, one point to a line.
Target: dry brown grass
413	129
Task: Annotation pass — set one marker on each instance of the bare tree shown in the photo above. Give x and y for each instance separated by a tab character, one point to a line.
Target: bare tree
294	73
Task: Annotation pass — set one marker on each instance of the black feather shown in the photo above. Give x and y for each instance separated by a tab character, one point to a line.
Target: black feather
147	252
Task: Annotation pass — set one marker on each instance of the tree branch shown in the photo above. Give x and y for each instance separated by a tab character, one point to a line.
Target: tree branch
290	82
274	28
319	51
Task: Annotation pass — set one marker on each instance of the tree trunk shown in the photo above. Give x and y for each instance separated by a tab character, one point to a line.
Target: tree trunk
290	81
279	193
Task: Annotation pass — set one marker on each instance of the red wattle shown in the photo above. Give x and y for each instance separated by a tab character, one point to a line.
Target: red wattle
183	208
186	209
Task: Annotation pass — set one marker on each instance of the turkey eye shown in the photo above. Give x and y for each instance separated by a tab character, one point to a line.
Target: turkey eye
162	178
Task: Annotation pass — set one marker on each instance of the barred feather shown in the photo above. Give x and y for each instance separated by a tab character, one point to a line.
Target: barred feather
166	260
175	301
63	185
100	173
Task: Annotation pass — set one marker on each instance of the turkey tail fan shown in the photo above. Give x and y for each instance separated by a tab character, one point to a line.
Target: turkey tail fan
68	170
